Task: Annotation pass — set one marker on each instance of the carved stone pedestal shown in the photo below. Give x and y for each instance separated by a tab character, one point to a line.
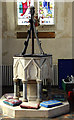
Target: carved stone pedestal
32	71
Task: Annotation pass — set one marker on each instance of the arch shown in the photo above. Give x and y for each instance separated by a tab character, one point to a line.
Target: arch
17	67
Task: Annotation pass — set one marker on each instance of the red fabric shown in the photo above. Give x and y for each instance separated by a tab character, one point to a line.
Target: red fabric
29	105
71	95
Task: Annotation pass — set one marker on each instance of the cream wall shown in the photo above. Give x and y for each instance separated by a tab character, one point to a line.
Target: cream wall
73	30
60	47
0	33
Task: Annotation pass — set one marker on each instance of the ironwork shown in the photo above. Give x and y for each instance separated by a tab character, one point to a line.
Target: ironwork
32	31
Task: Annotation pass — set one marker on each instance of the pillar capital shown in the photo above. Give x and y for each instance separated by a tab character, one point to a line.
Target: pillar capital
39	89
24	81
15	79
39	81
15	89
24	90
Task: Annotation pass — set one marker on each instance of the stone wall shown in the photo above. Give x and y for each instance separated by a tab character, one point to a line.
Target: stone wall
0	33
72	30
60	47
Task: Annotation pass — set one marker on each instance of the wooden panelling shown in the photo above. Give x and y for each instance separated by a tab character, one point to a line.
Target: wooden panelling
22	35
46	34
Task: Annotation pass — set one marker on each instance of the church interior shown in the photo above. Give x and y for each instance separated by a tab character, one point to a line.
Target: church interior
55	67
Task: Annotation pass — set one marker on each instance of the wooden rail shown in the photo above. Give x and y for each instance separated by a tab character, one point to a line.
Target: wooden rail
22	35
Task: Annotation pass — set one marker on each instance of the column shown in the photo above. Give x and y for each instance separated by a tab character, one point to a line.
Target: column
39	91
18	88
48	86
25	91
15	89
10	16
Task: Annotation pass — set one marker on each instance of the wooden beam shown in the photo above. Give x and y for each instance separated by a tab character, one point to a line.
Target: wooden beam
46	34
23	35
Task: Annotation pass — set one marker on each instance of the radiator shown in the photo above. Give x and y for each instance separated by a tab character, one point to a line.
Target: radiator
7	75
55	75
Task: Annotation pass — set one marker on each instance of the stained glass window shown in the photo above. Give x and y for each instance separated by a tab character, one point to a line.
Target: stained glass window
23	8
46	12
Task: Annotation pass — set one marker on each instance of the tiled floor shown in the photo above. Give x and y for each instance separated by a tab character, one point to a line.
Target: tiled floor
69	116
